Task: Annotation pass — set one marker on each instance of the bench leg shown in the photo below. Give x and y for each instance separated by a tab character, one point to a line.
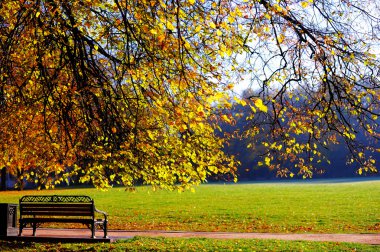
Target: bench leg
21	226
34	228
93	230
105	229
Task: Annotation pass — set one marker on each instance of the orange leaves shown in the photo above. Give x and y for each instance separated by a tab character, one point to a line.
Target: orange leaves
200	112
183	128
114	130
27	147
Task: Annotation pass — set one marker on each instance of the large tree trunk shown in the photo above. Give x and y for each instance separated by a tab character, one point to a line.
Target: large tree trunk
20	179
3	186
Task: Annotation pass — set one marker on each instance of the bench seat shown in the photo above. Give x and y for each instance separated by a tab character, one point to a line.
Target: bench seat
36	210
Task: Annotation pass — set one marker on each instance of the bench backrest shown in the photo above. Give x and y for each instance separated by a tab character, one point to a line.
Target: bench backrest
56	205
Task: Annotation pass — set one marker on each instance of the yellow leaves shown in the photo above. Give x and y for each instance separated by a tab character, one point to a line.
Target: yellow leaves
280	38
267	161
229	52
349	135
112	177
222	48
253	109
231	19
153	31
278	8
56	146
170	26
305	4
226	119
360	171
260	105
38	14
198	28
183	127
212	25
191	2
200	111
240	101
163	5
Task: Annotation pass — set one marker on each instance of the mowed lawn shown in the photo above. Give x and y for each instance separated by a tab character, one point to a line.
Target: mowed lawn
193	244
262	207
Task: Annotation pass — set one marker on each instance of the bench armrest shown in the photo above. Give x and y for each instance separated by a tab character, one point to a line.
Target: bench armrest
101	212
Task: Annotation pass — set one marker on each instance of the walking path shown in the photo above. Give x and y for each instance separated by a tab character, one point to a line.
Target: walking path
124	234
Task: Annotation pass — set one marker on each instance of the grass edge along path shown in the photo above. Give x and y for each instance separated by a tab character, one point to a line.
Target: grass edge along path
54	234
191	244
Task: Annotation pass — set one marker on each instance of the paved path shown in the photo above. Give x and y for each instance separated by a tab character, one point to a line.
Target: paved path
124	234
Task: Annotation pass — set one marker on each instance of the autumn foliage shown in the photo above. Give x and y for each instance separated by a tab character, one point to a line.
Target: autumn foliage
123	91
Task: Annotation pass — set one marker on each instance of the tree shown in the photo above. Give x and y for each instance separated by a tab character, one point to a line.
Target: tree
27	152
129	89
319	79
119	84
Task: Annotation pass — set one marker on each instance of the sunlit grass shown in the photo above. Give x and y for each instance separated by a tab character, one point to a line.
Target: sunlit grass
264	207
198	244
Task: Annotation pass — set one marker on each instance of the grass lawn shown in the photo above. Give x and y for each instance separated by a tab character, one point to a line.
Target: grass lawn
175	244
264	207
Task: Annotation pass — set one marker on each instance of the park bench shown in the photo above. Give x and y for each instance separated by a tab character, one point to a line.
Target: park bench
36	210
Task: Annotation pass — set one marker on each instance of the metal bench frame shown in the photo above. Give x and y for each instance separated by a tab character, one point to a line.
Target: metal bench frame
38	209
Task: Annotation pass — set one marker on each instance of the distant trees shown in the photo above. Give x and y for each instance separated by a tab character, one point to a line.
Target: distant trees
335	162
124	91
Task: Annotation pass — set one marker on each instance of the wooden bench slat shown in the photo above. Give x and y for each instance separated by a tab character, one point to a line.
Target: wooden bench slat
64	220
47	213
60	205
46	210
56	209
58	213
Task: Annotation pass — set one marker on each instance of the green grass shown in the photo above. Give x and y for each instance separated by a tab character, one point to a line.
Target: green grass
175	244
266	207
